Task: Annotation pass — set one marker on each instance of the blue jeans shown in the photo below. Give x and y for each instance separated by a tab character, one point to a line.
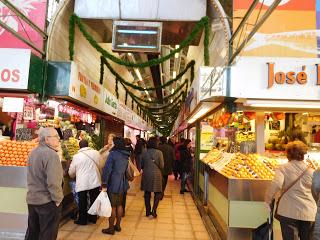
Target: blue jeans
72	185
183	181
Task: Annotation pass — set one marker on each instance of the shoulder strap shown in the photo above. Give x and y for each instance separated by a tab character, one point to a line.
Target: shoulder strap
90	158
293	183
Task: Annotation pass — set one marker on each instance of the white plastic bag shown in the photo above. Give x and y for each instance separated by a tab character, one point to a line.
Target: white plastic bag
101	206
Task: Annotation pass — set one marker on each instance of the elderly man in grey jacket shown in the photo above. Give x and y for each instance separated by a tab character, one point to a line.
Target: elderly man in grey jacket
44	179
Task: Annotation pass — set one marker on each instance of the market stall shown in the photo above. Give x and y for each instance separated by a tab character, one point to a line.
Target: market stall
246	138
21	80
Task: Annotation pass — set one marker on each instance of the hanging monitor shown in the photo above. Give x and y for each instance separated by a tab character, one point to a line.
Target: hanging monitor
136	36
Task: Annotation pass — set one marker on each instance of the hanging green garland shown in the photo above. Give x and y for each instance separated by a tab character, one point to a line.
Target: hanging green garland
202	24
117	89
190	66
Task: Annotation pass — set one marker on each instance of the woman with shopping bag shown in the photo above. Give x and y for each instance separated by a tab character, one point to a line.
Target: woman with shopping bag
114	181
296	208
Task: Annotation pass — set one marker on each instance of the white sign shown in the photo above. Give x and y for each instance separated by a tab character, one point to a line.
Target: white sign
276	78
12	104
14	68
90	92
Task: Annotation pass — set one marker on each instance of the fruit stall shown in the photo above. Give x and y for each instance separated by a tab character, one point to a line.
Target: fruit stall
21	81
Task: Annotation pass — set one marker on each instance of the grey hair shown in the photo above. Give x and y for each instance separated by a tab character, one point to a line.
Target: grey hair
45	132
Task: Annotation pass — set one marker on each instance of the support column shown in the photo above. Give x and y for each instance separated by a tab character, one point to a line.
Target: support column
260	132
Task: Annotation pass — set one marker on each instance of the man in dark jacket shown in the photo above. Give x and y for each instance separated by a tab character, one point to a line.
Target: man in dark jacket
44	179
138	151
185	163
169	158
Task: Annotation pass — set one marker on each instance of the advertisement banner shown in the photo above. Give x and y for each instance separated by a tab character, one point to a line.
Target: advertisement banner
276	78
35	10
283	34
14	68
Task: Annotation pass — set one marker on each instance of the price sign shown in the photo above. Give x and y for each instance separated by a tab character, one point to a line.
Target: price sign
24	134
28	113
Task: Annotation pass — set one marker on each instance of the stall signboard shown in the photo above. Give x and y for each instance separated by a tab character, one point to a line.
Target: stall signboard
83	89
14	68
111	103
276	78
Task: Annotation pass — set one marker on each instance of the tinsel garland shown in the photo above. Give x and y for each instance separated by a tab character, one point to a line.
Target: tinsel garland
190	66
202	24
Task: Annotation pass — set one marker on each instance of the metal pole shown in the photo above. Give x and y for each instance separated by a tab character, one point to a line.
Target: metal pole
21	38
255	29
243	21
24	17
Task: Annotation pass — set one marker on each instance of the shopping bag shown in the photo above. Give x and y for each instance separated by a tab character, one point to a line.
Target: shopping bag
136	172
101	206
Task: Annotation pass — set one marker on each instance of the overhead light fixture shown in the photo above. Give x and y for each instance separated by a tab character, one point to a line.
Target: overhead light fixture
137	31
171	101
146	92
203	109
138	73
172	91
174	74
282	104
130	54
176	55
150	99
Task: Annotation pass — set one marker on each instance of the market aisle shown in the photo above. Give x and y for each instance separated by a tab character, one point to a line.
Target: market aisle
178	218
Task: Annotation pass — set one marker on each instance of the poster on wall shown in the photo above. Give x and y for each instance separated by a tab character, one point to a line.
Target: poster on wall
291	38
35	10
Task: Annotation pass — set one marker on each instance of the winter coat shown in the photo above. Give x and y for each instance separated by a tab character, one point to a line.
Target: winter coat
44	176
185	159
315	188
152	164
168	157
113	175
85	167
139	147
297	202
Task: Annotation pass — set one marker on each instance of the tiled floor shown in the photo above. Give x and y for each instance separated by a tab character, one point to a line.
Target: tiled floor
178	218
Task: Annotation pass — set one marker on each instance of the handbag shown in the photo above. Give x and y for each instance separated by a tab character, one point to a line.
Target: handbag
130	171
276	215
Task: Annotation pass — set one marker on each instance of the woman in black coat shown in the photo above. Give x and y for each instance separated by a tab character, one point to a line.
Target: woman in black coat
186	163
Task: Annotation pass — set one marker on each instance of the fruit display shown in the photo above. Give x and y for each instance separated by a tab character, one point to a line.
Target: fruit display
13	153
250	166
213	156
245	136
70	147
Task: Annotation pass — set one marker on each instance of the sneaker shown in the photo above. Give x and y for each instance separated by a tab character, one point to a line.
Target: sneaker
117	228
108	231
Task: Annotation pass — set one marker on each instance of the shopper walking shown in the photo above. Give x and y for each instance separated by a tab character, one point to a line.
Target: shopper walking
297	208
169	158
152	165
115	182
185	163
177	168
85	167
44	181
138	151
315	192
